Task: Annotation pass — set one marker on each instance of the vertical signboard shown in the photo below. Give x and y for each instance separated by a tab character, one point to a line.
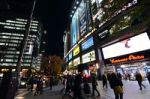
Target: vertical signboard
82	18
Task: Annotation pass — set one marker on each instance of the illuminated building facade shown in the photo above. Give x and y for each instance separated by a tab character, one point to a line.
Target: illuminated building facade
99	28
12	30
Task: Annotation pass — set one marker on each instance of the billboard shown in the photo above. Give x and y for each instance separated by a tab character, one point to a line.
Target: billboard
74	29
87	44
82	18
88	57
76	61
76	51
134	44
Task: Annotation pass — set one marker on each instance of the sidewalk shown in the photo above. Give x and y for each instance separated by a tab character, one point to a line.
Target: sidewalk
131	91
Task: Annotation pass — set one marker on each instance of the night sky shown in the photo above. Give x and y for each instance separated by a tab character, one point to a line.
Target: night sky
54	15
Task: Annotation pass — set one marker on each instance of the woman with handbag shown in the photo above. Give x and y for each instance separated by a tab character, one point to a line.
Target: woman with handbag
117	86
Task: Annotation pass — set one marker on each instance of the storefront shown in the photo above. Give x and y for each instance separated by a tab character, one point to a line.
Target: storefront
128	56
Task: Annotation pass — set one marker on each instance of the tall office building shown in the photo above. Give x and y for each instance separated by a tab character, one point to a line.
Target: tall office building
12	30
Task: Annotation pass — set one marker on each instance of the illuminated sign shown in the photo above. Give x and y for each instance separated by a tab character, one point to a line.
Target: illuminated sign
70	56
70	64
134	44
82	17
142	55
129	58
86	44
99	9
88	57
76	51
76	61
66	59
74	29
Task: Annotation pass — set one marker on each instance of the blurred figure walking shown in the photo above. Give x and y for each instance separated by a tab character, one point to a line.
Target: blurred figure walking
139	79
104	80
117	85
148	77
94	85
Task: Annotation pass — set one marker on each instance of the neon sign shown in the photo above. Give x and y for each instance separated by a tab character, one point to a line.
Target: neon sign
129	58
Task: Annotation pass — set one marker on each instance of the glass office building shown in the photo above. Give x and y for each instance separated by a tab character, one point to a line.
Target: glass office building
12	31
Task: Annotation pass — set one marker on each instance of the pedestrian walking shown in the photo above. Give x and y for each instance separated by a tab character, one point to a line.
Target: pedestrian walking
77	87
139	79
148	77
51	82
94	85
104	80
117	86
86	88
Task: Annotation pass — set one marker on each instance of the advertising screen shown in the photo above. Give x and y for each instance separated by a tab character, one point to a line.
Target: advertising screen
88	57
82	18
74	29
76	51
87	44
134	44
76	61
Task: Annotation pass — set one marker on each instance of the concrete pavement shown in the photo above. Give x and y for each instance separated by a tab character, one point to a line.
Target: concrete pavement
131	91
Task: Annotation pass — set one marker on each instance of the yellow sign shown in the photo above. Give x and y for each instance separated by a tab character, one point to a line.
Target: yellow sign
129	58
76	51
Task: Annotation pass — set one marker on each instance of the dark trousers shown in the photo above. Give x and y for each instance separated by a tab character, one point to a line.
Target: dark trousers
140	85
105	84
94	88
118	96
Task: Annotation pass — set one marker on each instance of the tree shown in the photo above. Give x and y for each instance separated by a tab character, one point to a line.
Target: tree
52	65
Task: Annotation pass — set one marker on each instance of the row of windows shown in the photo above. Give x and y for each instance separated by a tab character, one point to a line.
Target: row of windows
12	34
13	64
11	37
16	56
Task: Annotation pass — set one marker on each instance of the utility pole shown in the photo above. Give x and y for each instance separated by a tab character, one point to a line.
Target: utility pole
24	42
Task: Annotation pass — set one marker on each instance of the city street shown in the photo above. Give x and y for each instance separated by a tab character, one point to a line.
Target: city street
131	91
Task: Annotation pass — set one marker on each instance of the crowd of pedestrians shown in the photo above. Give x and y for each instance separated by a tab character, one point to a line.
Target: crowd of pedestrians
78	85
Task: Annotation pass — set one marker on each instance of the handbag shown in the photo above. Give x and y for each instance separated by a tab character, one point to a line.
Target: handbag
118	89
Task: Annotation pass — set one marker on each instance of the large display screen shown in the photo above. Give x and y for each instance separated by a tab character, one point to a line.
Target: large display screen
88	57
87	44
134	44
74	29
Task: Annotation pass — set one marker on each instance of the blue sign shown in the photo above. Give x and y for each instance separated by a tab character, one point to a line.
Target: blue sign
66	59
70	56
87	44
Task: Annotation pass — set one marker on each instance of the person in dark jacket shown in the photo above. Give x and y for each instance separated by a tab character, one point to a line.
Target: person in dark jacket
148	77
94	85
117	85
51	82
77	87
104	80
139	79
